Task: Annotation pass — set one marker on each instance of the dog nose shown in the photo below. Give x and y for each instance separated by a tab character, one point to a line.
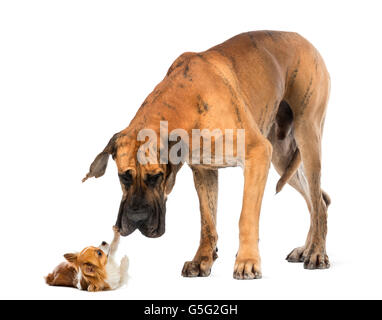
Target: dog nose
139	215
104	243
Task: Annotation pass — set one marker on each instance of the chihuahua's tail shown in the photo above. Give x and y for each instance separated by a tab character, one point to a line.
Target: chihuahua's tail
124	266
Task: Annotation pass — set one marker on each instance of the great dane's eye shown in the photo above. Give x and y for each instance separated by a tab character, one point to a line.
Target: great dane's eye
126	178
152	180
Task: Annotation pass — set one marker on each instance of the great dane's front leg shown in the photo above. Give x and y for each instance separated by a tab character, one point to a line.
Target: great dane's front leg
258	159
206	184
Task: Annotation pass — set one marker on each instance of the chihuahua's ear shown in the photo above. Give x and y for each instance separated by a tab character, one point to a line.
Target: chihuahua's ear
71	257
98	166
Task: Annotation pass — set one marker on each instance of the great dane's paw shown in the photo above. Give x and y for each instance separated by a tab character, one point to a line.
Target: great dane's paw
197	268
247	269
316	260
297	255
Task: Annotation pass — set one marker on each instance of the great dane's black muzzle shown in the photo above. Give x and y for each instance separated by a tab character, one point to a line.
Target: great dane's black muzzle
148	220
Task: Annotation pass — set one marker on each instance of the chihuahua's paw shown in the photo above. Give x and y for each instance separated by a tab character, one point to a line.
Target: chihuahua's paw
125	263
93	288
116	229
123	269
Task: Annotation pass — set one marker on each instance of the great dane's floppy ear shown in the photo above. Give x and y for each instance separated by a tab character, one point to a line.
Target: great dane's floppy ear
171	175
98	166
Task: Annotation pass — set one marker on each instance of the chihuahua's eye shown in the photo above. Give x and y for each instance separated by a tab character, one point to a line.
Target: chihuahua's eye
152	180
99	252
126	178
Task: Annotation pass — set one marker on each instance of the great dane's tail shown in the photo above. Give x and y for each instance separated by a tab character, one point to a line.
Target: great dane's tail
289	171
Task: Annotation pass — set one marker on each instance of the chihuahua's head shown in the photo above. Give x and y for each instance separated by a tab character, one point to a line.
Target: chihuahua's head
90	264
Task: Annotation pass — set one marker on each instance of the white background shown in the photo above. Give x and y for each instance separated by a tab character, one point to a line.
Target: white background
72	73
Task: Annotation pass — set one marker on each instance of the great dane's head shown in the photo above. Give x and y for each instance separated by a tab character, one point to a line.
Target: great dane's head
145	186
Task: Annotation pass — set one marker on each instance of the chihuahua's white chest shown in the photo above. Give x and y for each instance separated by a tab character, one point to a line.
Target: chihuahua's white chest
113	274
116	274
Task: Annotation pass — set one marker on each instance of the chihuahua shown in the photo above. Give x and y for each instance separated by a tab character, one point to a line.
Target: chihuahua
93	269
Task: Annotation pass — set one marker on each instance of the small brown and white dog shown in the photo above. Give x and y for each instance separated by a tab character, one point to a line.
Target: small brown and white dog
92	269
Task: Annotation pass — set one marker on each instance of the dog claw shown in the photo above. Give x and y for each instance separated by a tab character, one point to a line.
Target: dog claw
247	276
193	269
311	261
309	266
201	265
251	275
316	261
296	256
247	270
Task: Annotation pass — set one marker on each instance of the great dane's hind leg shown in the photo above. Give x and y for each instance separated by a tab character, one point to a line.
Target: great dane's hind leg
206	184
248	264
308	99
284	151
299	254
315	256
